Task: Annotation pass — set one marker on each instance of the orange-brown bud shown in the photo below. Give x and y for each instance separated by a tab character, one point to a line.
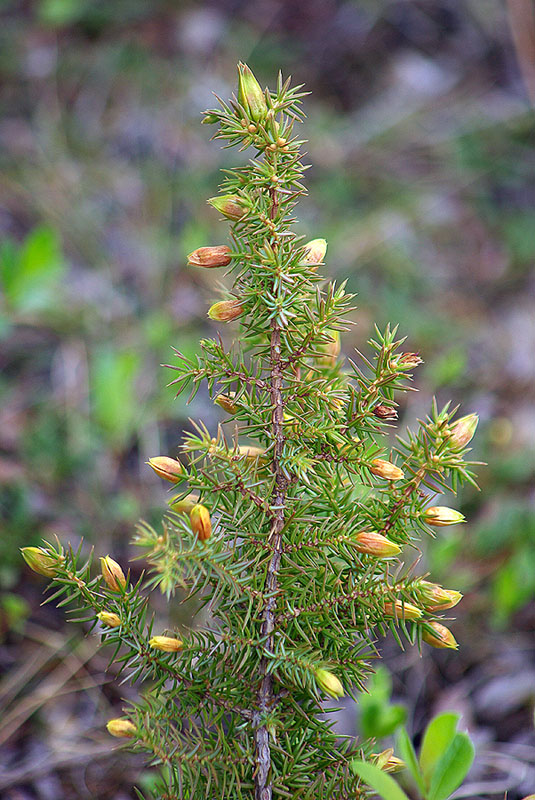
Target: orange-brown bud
167	644
109	619
232	206
218	256
329	683
314	253
225	310
382	411
440	516
112	574
184	505
201	523
121	727
440	636
463	431
170	469
402	610
226	403
436	598
409	360
385	469
40	561
375	544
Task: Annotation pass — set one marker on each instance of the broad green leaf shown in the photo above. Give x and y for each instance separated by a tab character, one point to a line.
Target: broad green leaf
116	402
437	738
378	780
30	274
452	768
407	753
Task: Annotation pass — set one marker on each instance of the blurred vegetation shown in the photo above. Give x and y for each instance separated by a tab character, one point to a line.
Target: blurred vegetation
421	140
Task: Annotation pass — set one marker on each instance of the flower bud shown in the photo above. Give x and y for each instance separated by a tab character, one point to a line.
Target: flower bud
463	431
209	118
225	402
201	523
183	505
112	574
385	469
251	452
225	310
314	253
39	560
121	727
329	683
387	761
218	256
170	469
250	94
331	350
167	644
440	636
109	619
382	411
375	544
232	206
439	516
436	598
409	360
402	610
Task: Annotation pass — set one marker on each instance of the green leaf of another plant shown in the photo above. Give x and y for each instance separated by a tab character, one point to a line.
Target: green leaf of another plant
437	738
407	753
452	768
379	781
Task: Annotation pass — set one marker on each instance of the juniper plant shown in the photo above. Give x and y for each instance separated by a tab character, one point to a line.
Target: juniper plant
287	521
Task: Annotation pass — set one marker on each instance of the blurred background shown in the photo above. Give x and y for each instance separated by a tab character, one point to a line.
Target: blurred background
423	181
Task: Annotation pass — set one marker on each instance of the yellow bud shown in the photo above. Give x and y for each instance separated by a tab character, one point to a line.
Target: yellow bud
250	94
329	683
225	402
109	619
439	516
167	644
436	598
440	636
251	452
375	544
232	206
170	469
121	727
218	256
112	574
314	253
331	350
185	504
463	431
385	469
40	561
387	761
402	610
201	523
225	310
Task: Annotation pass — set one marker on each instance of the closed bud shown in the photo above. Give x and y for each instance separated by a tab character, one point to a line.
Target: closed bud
329	683
225	311
251	452
436	598
439	516
121	727
217	256
439	636
231	206
402	610
250	94
385	469
210	118
314	253
331	350
109	619
385	412
167	644
201	523
375	544
112	574
409	360
387	761
170	469
40	561
463	431
183	505
226	403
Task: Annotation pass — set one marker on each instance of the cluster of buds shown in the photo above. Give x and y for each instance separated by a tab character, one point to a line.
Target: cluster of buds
40	561
201	523
225	310
385	469
166	644
209	257
375	544
329	683
440	516
113	574
170	469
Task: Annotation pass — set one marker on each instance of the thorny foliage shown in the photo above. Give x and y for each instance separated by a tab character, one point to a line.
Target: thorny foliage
285	592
